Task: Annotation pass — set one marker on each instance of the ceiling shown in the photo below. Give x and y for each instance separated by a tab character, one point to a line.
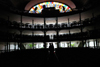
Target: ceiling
27	4
34	2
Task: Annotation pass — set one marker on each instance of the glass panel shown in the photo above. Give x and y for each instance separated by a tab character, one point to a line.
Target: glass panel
91	44
54	44
58	6
38	45
75	43
63	44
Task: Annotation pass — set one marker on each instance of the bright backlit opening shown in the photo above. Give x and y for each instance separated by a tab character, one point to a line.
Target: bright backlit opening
58	6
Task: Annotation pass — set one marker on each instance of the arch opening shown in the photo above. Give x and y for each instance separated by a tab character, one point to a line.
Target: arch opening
57	5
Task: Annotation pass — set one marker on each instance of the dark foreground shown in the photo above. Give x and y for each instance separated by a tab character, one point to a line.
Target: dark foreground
62	57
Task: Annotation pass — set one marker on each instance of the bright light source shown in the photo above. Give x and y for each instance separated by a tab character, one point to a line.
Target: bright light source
58	6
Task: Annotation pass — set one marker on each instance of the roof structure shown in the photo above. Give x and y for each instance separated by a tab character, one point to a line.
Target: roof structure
27	4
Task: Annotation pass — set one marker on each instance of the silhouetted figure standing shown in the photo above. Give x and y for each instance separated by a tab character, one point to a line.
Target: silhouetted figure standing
44	6
53	60
51	48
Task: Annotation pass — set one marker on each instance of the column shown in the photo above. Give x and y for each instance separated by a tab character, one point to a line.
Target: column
33	32
85	43
88	43
45	39
21	21
9	46
93	22
69	35
19	46
44	22
32	23
33	36
44	33
70	38
81	29
57	32
14	46
68	44
20	32
8	20
6	47
57	39
96	43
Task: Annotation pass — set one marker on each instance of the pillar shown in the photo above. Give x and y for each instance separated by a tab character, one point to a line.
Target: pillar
68	45
18	46
20	31
32	23
96	43
81	29
7	22
14	46
57	32
20	34
33	32
85	43
9	46
88	43
69	34
93	22
44	22
21	27
21	21
6	47
32	36
44	32
69	39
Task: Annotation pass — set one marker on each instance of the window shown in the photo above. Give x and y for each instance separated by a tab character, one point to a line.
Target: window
58	6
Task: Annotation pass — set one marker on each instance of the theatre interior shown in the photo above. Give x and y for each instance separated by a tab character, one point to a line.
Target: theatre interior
28	27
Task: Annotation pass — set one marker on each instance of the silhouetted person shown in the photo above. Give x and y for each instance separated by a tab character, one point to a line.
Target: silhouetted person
51	48
53	60
44	6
